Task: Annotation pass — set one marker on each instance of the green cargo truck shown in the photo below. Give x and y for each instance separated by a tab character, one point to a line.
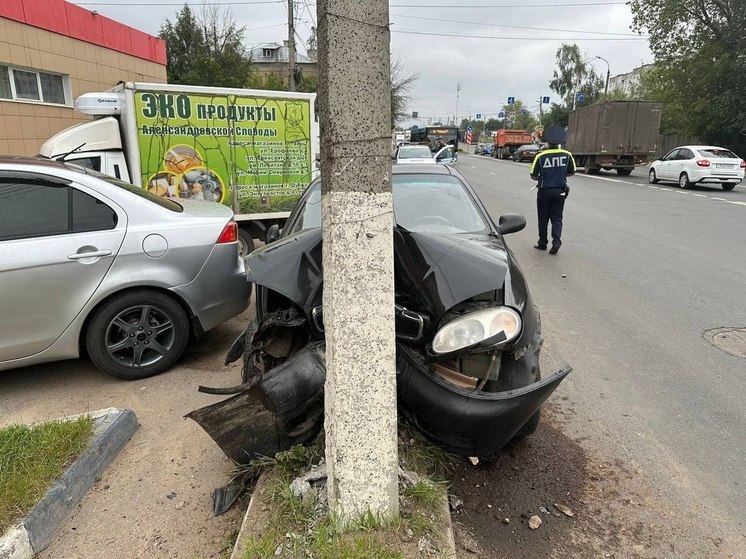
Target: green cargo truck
252	150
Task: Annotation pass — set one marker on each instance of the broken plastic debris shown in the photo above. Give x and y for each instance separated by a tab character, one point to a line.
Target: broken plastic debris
534	522
474	460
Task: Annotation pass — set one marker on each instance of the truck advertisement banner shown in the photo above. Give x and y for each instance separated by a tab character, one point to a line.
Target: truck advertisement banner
251	153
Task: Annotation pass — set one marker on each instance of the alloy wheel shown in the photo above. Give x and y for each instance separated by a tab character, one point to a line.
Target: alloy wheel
140	336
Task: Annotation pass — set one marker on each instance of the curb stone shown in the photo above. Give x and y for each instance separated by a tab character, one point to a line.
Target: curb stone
113	427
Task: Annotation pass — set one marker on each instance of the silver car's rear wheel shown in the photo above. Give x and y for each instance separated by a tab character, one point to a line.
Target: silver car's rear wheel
137	335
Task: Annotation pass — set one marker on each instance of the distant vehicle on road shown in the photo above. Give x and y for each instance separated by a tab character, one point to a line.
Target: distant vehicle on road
614	135
526	152
484	149
507	141
91	264
419	154
690	165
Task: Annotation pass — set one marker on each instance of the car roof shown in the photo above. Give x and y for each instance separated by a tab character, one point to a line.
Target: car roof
420	169
42	162
702	147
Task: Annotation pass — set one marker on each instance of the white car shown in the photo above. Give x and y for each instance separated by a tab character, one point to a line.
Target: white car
417	154
690	165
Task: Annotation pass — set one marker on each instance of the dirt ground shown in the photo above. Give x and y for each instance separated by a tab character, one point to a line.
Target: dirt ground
155	500
616	512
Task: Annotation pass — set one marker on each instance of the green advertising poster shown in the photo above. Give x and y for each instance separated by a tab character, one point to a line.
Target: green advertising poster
216	148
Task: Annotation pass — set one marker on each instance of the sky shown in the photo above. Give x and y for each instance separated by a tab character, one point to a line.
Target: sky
493	48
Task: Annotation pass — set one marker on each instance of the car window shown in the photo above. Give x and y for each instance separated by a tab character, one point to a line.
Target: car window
91	214
415	152
31	208
435	204
87	162
671	155
34	208
309	214
422	203
718	153
685	154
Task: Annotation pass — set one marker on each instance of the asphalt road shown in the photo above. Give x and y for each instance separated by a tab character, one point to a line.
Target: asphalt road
648	271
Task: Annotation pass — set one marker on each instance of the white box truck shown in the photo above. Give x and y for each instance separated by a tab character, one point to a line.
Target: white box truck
252	150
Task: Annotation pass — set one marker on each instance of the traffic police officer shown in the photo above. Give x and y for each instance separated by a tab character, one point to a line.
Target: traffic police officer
551	168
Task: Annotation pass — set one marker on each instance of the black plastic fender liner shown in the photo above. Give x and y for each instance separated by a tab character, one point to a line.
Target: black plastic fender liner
292	387
461	421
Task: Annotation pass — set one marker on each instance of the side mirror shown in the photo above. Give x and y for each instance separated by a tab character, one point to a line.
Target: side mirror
511	223
273	233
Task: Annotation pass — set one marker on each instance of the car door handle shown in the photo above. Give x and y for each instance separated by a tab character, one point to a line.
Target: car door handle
93	254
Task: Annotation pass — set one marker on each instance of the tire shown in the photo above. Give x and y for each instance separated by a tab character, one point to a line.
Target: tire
245	243
652	179
624	172
728	186
592	170
137	313
684	181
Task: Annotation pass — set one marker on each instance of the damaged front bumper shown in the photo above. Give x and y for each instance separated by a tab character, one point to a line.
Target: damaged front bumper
463	421
284	407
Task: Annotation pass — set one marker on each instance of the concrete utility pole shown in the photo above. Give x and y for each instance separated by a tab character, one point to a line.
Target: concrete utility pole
291	45
357	228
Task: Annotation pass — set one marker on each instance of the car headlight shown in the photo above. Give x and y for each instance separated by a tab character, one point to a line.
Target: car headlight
489	327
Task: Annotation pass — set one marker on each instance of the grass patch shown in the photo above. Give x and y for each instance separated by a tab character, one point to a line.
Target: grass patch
303	528
31	457
419	455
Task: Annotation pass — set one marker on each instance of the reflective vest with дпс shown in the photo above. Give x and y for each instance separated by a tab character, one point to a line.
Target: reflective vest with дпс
552	167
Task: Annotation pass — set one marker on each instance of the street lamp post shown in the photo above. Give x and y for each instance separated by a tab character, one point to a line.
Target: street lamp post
608	75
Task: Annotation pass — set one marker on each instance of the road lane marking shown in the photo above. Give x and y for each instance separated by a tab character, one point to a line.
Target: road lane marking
679	192
699	195
491	173
473	166
720	199
667	189
651	186
736	202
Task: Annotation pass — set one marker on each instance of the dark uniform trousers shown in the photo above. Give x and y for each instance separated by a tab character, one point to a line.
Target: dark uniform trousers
549	206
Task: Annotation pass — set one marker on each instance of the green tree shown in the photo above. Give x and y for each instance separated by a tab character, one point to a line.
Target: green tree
572	75
700	69
557	114
266	80
206	49
401	84
523	119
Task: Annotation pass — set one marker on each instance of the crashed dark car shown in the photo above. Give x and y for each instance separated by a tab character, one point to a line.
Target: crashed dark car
468	333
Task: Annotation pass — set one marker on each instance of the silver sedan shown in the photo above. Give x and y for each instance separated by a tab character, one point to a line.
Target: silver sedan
89	264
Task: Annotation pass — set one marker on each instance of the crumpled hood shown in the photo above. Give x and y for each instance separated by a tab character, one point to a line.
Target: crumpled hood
433	271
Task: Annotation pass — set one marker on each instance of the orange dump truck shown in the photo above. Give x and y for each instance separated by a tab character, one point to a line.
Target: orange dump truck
507	141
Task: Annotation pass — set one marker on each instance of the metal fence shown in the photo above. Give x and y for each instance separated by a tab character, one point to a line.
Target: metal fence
666	142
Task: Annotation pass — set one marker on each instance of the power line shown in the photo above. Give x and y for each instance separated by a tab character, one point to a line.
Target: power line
183	3
478	6
429	7
515	38
517	26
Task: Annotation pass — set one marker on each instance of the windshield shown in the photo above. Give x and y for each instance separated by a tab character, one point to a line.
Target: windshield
422	204
417	152
162	201
718	153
